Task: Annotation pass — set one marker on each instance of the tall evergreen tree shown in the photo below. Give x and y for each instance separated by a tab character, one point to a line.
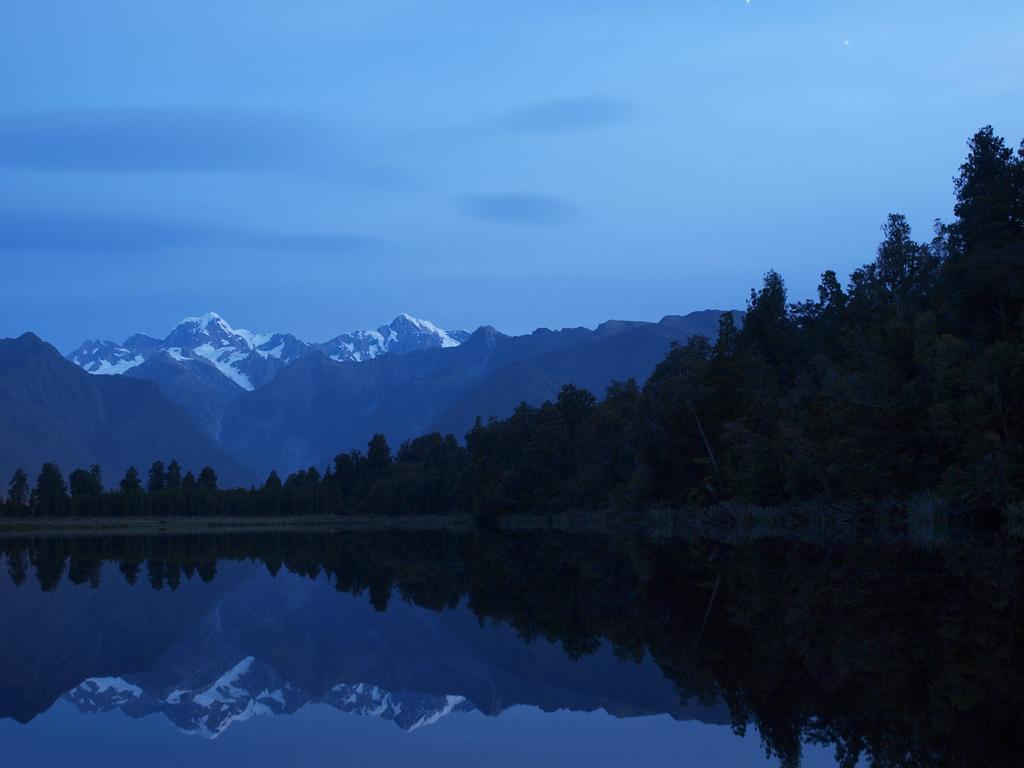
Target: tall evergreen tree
173	475
157	480
378	454
17	489
904	270
207	479
348	469
727	342
766	328
985	279
96	475
131	483
51	491
82	484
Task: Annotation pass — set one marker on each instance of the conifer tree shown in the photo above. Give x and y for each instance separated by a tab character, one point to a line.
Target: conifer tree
728	336
80	483
173	475
96	475
157	480
18	490
131	483
207	479
766	327
378	454
50	492
985	278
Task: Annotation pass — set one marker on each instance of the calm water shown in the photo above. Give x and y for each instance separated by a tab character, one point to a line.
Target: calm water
515	649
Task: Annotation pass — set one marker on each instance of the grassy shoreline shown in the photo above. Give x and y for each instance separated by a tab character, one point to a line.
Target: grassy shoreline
926	517
134	526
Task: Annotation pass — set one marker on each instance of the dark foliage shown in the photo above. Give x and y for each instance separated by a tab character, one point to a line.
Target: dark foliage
895	654
909	379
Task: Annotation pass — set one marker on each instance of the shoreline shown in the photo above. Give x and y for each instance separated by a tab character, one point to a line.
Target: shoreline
135	526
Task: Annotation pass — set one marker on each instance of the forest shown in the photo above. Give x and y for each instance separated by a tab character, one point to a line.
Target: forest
907	380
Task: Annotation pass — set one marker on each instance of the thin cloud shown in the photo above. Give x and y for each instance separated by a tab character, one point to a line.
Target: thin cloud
566	115
162	140
519	209
69	233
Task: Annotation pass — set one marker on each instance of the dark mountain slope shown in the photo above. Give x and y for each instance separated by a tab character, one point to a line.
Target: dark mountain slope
318	407
629	351
196	385
52	410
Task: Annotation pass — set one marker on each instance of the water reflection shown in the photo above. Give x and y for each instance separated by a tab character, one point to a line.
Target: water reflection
889	650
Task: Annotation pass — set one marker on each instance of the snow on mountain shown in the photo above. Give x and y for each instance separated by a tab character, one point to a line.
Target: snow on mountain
105	358
248	359
251	689
114	690
252	359
403	334
408	710
224	690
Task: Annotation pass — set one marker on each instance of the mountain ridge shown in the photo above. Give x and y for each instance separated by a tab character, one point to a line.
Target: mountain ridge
250	359
318	408
52	410
310	406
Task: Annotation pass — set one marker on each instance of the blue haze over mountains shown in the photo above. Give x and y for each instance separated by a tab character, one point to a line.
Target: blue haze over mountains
508	163
247	403
52	410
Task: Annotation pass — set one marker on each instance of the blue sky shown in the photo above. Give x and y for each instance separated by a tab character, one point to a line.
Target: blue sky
322	165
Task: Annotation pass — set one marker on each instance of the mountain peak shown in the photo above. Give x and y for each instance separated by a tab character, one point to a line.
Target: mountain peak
403	334
203	322
405	319
210	328
252	359
105	357
15	352
209	317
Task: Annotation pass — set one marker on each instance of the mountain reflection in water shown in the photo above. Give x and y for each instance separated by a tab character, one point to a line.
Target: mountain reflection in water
886	652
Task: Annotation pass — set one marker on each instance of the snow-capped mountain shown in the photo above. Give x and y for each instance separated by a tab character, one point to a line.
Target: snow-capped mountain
251	689
105	357
250	359
403	334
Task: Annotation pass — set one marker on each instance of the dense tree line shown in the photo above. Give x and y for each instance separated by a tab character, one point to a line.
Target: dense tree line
165	491
909	378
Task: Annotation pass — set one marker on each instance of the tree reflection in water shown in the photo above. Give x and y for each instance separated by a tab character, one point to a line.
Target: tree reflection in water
902	653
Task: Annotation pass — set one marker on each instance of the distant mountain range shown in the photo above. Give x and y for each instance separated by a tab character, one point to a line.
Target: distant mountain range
51	410
250	359
317	408
247	403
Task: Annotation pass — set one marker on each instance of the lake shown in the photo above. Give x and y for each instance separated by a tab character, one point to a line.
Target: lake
529	648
